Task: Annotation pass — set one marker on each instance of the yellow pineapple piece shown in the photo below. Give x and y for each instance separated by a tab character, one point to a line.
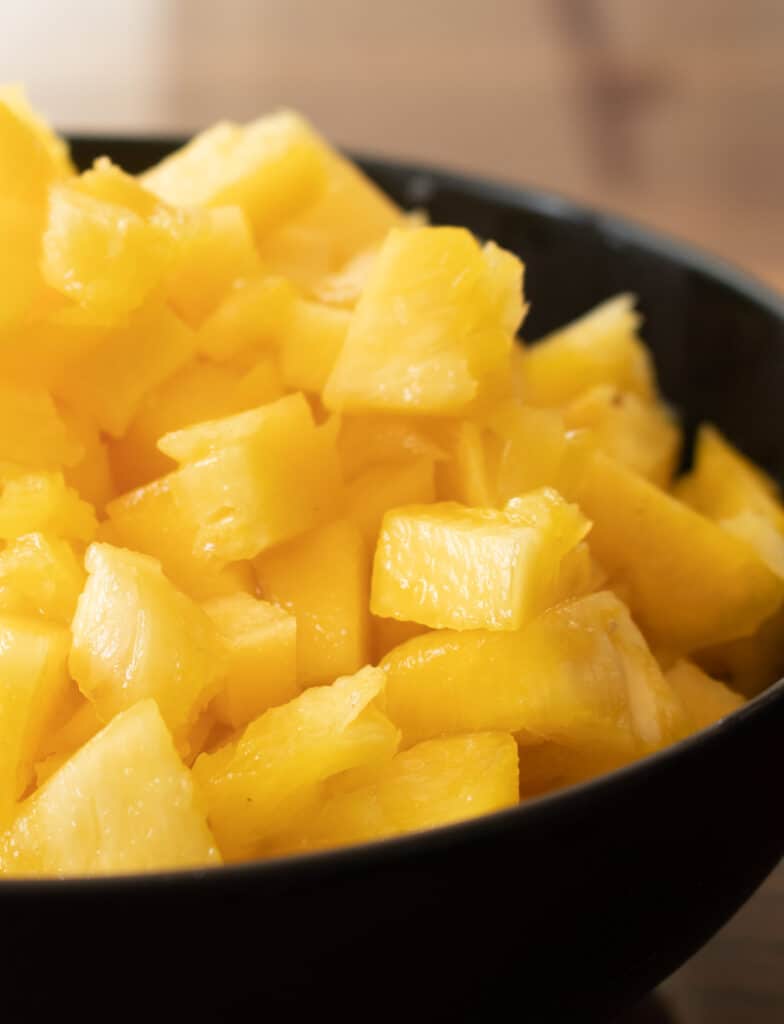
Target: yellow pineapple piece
215	252
366	441
469	474
705	700
43	503
38	351
272	169
261	667
323	578
436	320
247	482
600	348
13	96
79	823
351	215
580	674
97	249
449	566
40	575
258	786
92	475
136	636
690	583
385	487
32	432
26	170
251	316
640	434
310	344
750	664
437	782
200	391
34	686
111	382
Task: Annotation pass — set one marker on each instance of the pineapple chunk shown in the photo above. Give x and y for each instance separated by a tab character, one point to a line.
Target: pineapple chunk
15	99
366	441
200	391
34	689
79	823
261	646
42	503
215	252
600	348
97	249
32	432
40	575
437	782
469	475
135	636
91	476
705	700
272	169
435	321
385	487
256	312
640	434
580	674
310	344
258	786
111	382
323	578
750	664
690	583
448	566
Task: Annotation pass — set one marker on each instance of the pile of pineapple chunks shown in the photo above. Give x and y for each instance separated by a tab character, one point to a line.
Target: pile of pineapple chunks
300	547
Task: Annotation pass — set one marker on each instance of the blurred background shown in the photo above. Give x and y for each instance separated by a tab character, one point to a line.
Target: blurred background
669	111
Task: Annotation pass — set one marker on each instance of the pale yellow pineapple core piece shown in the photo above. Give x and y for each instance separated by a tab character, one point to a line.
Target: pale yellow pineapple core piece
135	636
435	322
123	803
448	566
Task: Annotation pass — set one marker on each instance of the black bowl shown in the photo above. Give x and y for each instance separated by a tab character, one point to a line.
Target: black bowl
568	908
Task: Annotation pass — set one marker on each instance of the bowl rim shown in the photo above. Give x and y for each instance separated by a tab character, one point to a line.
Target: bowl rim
376	854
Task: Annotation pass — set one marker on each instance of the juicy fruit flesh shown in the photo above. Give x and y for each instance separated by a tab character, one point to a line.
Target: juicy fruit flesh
299	547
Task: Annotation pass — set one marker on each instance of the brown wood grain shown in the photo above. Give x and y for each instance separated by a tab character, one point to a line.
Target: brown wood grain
668	111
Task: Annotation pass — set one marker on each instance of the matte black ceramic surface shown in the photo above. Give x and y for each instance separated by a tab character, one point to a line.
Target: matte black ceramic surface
566	909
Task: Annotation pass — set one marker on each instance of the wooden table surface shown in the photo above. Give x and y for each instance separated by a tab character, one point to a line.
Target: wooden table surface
668	111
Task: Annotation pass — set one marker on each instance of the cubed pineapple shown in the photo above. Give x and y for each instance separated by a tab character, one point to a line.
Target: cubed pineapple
381	488
272	169
255	313
13	97
247	482
200	391
580	674
79	823
215	252
111	382
366	441
642	435
600	348
690	583
261	657
40	575
43	503
32	431
435	783
135	636
310	344
454	567
704	700
91	476
351	215
436	320
100	252
323	578
258	786
34	687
